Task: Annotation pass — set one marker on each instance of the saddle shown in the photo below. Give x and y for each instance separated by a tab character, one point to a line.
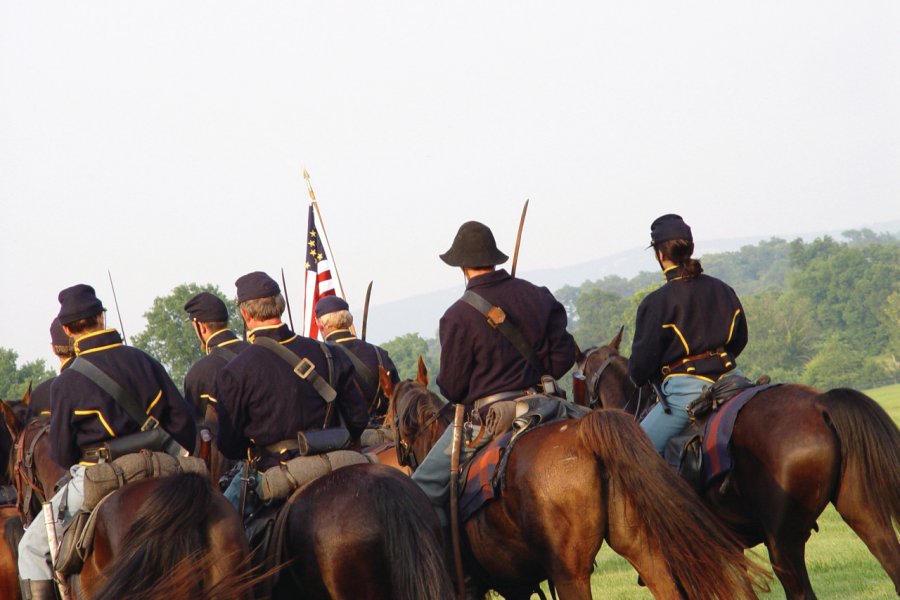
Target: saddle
483	476
698	452
99	482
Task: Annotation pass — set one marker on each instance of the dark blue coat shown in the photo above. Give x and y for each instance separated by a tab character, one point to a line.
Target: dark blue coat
84	416
200	380
261	401
368	354
477	360
684	318
40	396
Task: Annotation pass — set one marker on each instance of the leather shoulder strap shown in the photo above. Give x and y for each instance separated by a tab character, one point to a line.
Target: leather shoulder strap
496	318
302	367
364	371
223	352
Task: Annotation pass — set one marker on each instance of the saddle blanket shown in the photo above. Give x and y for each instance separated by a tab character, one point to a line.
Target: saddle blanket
717	435
479	486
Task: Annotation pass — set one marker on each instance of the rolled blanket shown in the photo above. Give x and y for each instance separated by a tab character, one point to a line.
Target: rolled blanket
278	482
374	437
499	418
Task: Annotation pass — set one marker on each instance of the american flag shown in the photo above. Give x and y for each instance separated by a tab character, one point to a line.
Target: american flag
318	276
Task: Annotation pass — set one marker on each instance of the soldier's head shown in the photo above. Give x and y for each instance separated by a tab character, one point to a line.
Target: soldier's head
208	314
474	249
333	314
63	345
673	244
259	298
80	311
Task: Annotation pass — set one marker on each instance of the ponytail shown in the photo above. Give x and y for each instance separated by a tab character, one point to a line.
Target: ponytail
679	252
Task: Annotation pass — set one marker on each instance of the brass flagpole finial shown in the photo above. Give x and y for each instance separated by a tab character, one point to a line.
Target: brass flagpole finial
312	194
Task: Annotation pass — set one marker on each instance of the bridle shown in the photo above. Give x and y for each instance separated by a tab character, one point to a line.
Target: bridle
27	483
593	384
405	454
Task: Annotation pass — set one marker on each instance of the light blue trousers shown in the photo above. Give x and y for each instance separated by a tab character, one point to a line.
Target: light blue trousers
34	549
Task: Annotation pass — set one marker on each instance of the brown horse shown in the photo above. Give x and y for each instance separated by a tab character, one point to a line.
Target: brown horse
363	532
569	486
144	529
794	450
11	528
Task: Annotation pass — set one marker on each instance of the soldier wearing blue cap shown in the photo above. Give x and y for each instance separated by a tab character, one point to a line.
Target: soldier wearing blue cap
263	401
85	416
335	322
687	333
209	318
63	348
479	362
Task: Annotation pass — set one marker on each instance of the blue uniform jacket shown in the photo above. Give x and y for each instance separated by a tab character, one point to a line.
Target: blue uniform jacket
684	318
261	401
477	360
84	416
366	353
200	380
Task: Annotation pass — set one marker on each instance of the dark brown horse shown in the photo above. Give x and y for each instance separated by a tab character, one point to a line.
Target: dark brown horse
569	486
145	529
795	450
363	532
11	530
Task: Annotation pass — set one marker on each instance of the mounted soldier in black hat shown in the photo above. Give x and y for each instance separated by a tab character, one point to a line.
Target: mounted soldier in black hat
335	322
503	339
110	396
282	384
687	333
64	349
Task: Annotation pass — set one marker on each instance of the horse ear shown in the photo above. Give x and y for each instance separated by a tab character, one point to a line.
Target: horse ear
618	339
387	384
422	375
9	418
26	399
579	355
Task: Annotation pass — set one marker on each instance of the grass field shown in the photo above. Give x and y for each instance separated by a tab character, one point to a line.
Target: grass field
840	566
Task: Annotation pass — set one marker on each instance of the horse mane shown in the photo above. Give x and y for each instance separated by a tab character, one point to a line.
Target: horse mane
414	404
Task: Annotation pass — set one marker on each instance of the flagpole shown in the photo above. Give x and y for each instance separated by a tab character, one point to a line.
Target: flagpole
312	199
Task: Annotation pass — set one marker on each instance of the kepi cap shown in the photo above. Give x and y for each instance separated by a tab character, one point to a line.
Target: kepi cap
330	304
256	285
669	227
78	302
58	335
207	308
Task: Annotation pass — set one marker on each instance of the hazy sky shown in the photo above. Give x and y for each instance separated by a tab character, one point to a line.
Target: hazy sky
165	141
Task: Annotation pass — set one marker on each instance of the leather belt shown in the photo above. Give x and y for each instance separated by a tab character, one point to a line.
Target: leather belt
95	455
488	400
720	352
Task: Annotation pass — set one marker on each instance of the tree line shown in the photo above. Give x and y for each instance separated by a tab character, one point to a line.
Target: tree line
825	313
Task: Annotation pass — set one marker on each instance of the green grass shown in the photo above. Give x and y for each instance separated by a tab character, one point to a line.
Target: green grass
840	566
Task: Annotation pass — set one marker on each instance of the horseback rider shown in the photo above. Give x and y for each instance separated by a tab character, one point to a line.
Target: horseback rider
263	402
63	348
85	416
209	318
687	333
335	321
480	365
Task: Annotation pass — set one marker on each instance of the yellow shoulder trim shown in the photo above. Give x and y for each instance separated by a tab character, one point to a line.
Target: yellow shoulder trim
98	349
155	400
733	321
290	339
209	398
673	327
99	416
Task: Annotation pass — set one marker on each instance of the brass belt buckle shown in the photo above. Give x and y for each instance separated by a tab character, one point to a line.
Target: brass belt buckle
304	368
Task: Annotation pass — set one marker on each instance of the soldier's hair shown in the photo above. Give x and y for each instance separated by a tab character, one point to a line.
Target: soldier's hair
215	326
63	351
340	319
263	309
679	252
82	325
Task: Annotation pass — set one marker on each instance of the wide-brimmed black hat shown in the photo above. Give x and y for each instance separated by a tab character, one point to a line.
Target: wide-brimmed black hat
78	302
207	308
256	285
474	246
58	335
330	304
669	227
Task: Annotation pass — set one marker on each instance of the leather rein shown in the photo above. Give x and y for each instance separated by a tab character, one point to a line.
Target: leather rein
27	483
593	384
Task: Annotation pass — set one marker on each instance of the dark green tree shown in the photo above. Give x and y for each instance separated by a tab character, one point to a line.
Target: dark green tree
14	380
169	336
405	351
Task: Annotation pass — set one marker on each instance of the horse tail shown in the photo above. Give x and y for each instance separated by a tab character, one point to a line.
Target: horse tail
704	558
411	540
870	450
167	532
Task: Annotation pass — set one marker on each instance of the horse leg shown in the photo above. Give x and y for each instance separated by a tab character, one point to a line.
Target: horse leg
851	503
574	589
788	558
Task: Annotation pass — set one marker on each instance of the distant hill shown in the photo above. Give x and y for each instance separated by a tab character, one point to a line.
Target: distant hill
421	313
